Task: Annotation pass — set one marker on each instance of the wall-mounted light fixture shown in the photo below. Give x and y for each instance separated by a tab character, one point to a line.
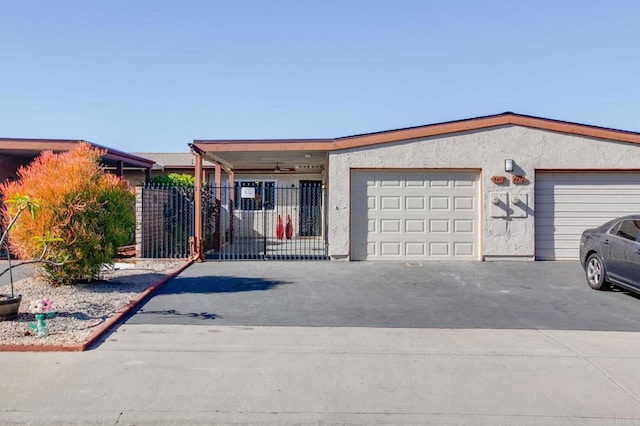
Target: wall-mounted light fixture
276	169
508	166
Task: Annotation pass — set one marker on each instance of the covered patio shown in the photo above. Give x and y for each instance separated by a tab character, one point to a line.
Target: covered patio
265	199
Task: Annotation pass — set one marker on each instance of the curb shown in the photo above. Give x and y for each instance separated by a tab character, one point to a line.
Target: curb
110	322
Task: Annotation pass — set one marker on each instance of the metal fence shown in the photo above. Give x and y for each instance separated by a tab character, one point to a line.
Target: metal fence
167	221
251	220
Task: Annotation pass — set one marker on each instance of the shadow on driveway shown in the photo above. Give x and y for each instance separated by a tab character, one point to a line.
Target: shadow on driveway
218	284
191	292
488	295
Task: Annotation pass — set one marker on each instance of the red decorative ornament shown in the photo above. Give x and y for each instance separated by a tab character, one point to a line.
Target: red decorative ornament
279	229
518	180
498	180
288	230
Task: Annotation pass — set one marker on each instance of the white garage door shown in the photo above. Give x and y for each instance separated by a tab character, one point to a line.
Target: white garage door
414	215
568	203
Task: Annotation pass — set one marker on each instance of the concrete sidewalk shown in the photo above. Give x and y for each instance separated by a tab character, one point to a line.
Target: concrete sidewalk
172	374
19	272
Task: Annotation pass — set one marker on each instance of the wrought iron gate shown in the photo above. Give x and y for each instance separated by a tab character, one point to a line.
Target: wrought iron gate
258	220
167	221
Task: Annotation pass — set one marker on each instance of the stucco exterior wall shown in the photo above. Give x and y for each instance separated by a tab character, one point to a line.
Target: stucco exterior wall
485	151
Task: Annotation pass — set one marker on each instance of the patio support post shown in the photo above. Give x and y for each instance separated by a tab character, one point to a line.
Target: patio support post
120	168
196	252
147	174
232	202
218	194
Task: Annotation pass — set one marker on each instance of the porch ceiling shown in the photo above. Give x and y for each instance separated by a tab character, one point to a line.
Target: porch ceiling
266	161
290	155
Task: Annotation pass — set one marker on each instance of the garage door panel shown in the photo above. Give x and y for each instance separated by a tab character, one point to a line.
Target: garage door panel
438	226
568	203
390	226
439	183
415	226
415	203
463	203
415	249
463	249
390	248
439	203
464	183
390	203
439	249
421	215
463	226
417	183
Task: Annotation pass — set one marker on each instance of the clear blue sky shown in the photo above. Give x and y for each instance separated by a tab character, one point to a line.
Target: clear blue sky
154	75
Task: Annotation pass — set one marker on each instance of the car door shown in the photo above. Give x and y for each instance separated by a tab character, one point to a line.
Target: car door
623	261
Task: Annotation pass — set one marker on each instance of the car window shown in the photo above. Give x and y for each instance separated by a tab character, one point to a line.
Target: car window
614	228
629	230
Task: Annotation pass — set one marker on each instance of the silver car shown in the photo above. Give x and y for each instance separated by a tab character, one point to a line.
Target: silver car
610	254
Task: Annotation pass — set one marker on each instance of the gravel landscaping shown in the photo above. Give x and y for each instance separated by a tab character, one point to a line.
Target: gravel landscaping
80	308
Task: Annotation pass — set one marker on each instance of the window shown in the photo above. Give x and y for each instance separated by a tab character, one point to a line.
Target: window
250	195
628	229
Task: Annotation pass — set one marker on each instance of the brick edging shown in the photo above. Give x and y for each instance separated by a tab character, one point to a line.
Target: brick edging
82	346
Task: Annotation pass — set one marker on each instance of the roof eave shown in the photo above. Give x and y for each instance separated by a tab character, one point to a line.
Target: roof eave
419	132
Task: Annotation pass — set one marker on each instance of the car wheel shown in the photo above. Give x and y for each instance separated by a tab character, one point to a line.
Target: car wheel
595	272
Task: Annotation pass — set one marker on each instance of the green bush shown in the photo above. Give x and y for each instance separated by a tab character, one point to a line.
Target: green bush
85	211
174	179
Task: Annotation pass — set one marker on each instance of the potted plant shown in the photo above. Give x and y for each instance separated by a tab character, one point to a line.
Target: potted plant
10	303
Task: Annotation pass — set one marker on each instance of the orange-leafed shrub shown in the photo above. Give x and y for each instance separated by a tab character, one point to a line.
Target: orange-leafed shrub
88	209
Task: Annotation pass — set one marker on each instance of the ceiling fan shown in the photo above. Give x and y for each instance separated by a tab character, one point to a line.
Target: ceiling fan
278	169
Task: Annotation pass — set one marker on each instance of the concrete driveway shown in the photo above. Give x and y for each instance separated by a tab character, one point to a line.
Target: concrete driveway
488	295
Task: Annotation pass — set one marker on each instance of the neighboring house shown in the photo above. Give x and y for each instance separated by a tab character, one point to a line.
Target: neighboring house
170	162
499	187
20	152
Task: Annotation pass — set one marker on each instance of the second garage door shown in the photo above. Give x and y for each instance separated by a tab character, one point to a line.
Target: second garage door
569	203
414	215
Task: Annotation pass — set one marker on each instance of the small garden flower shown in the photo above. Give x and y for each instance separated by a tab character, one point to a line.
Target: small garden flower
42	310
40	306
